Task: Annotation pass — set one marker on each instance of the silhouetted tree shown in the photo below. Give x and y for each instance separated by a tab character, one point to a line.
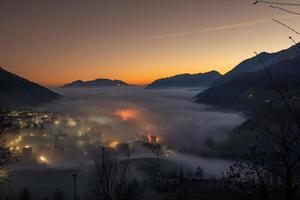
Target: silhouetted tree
199	172
112	179
280	143
248	179
278	6
7	156
25	195
275	160
58	194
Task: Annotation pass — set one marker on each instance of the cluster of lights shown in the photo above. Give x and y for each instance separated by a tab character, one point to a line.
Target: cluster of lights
123	114
14	145
71	122
14	148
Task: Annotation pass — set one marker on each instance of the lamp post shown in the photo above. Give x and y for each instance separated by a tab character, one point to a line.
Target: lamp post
75	185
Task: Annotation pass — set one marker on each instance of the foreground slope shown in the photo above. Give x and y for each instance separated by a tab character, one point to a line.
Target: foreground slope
17	91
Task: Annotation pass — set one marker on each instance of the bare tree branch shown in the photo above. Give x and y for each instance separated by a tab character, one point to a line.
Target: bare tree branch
290	109
285	10
292	39
112	179
277	3
282	24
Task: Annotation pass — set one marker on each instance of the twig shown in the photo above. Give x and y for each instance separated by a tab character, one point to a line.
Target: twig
282	24
296	44
285	10
292	39
277	3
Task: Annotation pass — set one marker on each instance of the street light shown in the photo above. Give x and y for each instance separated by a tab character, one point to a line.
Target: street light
75	185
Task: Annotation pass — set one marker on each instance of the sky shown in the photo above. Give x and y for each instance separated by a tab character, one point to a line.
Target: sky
53	42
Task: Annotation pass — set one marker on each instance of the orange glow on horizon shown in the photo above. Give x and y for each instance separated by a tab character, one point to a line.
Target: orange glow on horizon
87	40
140	79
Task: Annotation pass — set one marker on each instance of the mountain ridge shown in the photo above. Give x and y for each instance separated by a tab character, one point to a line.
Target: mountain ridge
252	89
186	80
18	91
95	83
253	64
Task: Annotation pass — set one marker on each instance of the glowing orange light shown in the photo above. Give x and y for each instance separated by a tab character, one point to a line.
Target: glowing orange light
114	144
126	114
44	160
153	139
158	139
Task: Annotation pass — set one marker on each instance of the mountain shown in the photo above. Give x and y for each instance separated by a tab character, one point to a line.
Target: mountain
251	89
17	91
95	83
253	64
186	80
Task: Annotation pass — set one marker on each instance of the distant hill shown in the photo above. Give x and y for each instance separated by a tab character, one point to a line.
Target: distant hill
17	91
95	83
186	80
251	89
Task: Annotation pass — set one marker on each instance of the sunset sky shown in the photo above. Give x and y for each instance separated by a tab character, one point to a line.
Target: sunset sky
53	42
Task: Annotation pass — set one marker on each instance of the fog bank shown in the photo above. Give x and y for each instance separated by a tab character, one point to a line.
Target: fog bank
125	113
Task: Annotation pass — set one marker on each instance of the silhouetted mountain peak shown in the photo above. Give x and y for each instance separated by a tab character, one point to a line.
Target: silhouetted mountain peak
95	83
251	88
78	81
254	63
